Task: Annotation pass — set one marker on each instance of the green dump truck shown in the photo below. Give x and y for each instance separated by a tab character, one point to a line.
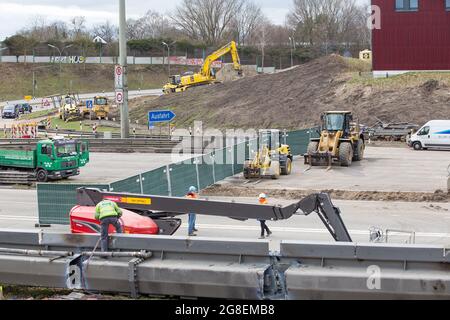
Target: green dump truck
53	159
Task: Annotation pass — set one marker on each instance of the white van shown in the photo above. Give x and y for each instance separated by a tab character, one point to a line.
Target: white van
435	134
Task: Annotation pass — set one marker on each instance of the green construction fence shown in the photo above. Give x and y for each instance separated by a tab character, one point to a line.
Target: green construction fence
56	200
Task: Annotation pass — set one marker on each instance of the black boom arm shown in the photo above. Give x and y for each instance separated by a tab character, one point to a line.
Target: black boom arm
320	203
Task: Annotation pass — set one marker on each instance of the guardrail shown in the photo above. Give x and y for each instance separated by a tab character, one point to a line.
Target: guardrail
217	268
106	145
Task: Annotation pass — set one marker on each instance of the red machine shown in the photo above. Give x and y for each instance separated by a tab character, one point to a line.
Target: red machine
82	220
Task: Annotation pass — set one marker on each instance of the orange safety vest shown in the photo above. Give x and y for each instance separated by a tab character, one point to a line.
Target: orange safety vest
263	201
192	196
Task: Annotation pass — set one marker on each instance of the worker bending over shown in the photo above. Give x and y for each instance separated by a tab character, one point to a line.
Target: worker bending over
108	213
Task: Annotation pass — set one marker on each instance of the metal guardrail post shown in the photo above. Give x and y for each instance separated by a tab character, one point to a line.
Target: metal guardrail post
232	159
169	181
213	156
198	174
141	180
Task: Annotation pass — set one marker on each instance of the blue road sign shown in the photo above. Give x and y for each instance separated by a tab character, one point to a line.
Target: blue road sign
161	116
89	104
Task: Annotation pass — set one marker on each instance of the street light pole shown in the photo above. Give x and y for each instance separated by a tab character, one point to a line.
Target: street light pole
168	54
124	112
60	58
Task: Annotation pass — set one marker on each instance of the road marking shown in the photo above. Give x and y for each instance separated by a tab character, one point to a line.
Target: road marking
18	218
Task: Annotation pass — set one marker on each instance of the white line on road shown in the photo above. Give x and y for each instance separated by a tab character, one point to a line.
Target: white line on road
18	218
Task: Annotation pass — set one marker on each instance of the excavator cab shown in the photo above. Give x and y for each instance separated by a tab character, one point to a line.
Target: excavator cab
273	158
175	80
341	140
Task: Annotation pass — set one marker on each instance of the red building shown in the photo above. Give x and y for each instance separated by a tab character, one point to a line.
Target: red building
414	36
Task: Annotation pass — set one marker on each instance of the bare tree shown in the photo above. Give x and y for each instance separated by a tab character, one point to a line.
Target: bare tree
78	27
106	31
263	37
206	20
246	21
327	23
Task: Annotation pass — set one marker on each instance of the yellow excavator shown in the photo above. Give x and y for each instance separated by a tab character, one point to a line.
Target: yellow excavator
206	76
273	158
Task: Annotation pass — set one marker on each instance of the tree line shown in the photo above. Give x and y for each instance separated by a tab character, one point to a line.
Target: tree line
312	28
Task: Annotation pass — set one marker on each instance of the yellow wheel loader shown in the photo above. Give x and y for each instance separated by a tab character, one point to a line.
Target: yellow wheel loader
70	109
100	109
341	141
206	76
272	159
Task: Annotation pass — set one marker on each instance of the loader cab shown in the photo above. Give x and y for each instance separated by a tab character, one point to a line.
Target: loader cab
270	138
337	121
100	101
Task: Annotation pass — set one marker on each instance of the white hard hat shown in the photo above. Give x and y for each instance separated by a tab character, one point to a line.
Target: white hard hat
262	196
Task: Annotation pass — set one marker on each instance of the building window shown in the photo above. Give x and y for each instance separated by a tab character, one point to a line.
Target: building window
409	5
447	4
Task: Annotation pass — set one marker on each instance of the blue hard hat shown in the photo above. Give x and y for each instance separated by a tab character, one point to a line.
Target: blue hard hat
192	189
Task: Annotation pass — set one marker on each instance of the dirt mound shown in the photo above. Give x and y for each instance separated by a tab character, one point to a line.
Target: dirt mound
227	73
430	86
229	191
295	98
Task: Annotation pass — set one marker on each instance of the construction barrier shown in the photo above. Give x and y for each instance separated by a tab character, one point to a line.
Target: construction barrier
24	131
225	269
171	180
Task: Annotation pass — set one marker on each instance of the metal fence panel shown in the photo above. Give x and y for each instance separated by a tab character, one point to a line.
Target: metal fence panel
240	156
182	176
299	140
223	167
155	182
130	185
206	171
56	200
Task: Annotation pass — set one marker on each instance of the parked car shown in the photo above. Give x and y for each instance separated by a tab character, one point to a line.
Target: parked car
25	108
10	112
435	134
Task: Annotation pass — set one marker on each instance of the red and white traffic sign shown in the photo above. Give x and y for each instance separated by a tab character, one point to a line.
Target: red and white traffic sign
45	103
118	77
119	96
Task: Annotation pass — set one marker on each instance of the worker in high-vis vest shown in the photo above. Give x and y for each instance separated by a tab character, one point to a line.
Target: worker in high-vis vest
264	228
108	213
192	194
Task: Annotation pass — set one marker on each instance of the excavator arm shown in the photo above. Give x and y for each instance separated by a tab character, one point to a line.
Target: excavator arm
229	48
169	206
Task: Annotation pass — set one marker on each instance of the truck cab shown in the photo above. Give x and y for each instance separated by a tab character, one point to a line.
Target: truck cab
60	158
434	134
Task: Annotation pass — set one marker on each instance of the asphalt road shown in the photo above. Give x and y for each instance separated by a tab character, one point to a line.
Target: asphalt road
431	222
383	169
36	103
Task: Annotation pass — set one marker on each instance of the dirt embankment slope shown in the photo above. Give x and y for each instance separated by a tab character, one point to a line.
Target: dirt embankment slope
295	98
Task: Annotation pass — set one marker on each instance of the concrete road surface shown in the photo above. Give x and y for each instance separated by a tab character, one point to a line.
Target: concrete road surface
384	169
431	222
112	167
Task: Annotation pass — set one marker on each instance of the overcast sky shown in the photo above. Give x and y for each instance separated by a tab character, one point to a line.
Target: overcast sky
17	14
